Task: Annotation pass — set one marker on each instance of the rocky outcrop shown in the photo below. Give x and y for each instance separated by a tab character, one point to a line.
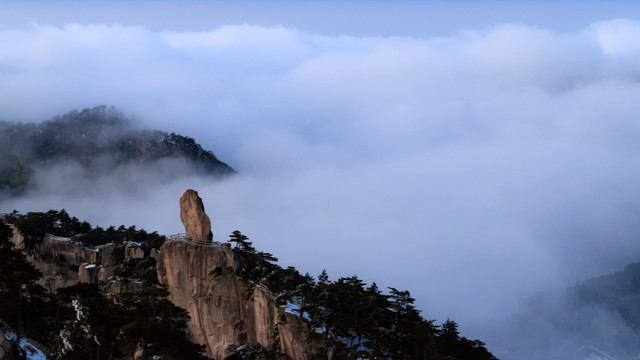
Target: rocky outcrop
17	239
110	257
64	262
196	222
67	250
135	250
292	341
224	310
59	260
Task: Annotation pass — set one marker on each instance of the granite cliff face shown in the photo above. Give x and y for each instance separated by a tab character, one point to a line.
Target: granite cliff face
224	309
64	262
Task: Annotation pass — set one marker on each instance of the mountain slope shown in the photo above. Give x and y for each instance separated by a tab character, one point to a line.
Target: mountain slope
241	303
600	313
99	140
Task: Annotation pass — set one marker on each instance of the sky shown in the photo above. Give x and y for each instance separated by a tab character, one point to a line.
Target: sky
470	152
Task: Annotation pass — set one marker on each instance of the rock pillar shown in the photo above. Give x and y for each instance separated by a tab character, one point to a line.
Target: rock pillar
195	220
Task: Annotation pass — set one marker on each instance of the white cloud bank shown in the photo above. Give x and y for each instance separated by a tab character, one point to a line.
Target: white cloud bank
471	169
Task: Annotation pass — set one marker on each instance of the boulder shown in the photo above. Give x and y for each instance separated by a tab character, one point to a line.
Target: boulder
111	255
196	222
135	250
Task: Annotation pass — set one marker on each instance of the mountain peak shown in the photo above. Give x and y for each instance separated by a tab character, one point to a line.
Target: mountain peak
100	140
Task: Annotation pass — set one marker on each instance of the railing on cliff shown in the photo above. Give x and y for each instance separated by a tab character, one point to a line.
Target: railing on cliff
266	291
184	237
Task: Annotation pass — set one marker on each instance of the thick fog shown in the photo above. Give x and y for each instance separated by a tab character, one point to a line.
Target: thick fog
472	169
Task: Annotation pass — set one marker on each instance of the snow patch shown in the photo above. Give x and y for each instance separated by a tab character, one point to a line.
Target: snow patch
31	352
59	238
293	307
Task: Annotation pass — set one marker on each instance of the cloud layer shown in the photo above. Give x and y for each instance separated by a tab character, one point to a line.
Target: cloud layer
471	169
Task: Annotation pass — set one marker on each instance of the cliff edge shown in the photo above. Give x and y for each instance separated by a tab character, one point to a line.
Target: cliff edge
225	310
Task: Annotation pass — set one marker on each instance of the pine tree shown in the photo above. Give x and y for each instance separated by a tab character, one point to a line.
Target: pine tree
347	305
20	296
99	327
320	310
449	336
406	319
241	241
256	265
158	324
376	322
92	325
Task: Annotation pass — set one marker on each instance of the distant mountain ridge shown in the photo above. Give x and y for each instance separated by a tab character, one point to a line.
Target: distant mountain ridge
598	318
99	139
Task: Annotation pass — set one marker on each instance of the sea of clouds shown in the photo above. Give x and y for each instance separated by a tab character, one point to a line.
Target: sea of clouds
471	169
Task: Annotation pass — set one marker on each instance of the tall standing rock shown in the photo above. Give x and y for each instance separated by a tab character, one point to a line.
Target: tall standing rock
195	220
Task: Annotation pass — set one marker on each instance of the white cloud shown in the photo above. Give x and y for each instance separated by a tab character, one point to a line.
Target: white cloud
617	37
471	169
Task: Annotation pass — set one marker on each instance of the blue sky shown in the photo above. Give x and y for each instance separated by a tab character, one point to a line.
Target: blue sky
362	18
478	150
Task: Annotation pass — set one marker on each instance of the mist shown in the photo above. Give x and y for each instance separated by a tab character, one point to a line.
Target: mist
472	169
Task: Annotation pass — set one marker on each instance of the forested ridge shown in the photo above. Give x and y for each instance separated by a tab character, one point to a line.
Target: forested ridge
347	318
354	320
98	139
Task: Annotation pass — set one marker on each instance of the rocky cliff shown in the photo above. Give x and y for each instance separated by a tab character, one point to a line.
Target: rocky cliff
64	262
225	309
